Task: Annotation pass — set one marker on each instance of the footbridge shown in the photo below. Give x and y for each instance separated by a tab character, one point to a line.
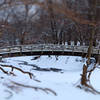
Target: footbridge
46	49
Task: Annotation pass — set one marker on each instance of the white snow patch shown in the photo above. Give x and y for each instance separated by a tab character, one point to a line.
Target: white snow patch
62	83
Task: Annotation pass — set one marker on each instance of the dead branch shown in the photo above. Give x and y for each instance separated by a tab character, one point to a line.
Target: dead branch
46	90
12	87
25	72
6	72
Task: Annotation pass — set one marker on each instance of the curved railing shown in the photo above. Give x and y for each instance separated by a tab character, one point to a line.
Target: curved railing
47	47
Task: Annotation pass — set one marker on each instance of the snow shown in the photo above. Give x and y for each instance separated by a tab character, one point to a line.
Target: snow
63	83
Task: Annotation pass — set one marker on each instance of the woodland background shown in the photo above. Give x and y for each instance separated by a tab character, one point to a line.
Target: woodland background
49	21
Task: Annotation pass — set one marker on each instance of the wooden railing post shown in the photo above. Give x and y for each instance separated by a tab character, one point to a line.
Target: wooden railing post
31	49
20	50
9	51
72	50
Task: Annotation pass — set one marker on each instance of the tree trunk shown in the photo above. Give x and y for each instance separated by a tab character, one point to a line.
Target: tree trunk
84	75
91	44
98	58
93	18
85	67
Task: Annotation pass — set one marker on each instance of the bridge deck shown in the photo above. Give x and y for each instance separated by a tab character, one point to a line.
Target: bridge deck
47	48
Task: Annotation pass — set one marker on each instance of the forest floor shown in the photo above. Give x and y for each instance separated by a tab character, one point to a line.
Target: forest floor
45	78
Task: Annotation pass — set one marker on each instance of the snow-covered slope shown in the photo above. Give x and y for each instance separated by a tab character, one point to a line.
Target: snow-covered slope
62	82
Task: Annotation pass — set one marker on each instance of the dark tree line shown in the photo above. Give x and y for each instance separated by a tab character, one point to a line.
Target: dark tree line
22	23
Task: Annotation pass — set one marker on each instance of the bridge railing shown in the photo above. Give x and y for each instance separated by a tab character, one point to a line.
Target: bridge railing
49	47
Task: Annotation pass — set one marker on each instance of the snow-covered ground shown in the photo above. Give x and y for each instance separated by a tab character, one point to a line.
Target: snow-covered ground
62	82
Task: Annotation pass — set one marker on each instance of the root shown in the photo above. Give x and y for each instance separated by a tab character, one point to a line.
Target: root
88	88
85	80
